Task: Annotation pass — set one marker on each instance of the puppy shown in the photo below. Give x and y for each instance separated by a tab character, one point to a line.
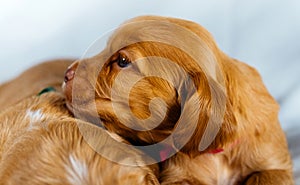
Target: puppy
164	82
42	144
33	81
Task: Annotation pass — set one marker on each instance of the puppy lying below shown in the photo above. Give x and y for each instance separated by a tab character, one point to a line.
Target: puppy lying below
32	81
41	144
164	81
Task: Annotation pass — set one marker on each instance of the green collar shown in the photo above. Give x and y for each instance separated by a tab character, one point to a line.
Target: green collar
46	90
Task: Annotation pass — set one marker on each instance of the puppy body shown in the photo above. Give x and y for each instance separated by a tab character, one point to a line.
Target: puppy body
32	81
202	169
42	144
251	145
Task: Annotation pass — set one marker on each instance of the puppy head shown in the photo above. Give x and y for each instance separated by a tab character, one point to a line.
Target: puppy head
158	80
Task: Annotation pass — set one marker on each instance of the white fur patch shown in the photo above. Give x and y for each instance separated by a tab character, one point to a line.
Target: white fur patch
34	116
224	173
77	171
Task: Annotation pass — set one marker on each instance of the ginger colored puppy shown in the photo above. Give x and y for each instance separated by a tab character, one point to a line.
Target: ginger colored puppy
164	80
41	144
32	81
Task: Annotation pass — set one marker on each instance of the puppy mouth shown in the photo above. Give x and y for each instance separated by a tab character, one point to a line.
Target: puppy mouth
87	110
77	104
81	104
69	107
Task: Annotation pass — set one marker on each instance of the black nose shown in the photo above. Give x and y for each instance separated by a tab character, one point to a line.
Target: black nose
70	73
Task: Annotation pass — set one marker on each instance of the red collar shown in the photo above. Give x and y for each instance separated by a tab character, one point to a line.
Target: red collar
216	151
167	150
220	150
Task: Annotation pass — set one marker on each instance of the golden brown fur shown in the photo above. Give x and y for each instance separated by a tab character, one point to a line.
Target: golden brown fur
42	144
32	81
255	148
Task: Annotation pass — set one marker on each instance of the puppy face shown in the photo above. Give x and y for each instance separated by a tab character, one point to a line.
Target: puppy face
158	79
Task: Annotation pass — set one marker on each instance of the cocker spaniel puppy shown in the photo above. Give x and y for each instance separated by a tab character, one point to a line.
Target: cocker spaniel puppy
163	85
33	81
40	143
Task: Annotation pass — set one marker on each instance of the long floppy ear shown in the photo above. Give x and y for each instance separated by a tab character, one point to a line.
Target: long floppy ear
207	121
207	118
221	128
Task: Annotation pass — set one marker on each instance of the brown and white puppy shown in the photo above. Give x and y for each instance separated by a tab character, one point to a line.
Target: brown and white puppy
32	81
41	144
164	80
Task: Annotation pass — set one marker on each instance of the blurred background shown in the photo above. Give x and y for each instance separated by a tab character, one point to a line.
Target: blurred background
264	34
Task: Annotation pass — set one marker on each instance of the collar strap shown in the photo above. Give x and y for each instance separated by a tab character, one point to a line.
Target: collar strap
216	151
166	152
231	146
46	90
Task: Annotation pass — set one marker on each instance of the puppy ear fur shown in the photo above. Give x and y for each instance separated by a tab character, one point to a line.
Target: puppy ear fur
210	109
206	113
210	106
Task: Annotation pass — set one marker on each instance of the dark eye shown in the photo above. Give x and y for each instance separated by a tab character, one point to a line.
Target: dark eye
122	61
